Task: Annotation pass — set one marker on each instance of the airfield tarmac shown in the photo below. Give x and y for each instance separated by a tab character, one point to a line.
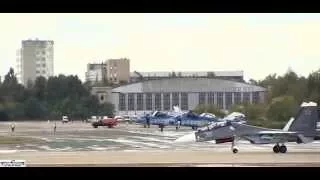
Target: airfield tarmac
79	144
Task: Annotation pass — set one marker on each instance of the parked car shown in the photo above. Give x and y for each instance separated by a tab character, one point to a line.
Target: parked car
65	119
110	122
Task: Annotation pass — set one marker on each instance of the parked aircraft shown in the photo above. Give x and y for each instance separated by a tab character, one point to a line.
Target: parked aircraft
177	118
156	118
195	121
301	129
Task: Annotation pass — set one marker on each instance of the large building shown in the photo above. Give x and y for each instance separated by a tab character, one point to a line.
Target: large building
114	70
118	70
228	75
187	93
34	59
96	72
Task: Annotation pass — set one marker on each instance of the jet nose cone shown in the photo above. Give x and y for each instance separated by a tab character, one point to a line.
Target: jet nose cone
186	138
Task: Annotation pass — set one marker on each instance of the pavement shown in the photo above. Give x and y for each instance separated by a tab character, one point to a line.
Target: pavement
79	144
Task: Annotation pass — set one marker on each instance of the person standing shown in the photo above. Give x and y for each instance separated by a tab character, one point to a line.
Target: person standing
13	126
54	128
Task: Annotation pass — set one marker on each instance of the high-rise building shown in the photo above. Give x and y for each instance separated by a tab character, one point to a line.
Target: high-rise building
118	70
96	72
113	71
34	59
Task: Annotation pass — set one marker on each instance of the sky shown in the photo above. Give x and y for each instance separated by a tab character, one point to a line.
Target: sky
258	44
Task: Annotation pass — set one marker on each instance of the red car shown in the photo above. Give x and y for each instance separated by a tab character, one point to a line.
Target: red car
110	122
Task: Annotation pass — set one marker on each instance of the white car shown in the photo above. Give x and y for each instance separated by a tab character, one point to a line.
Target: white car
65	119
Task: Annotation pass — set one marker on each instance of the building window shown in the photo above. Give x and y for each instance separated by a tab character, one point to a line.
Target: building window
43	65
175	99
43	52
149	101
202	98
166	101
237	97
220	100
228	100
139	101
122	102
255	97
43	72
157	101
131	101
101	98
37	71
211	98
43	59
246	97
184	101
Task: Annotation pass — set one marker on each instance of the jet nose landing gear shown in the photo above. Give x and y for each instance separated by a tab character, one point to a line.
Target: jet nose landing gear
235	149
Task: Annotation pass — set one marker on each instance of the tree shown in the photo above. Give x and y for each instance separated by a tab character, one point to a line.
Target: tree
282	108
40	88
173	74
313	87
35	109
29	84
253	82
211	75
106	109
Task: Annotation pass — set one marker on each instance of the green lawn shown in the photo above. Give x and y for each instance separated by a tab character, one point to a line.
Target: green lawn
18	140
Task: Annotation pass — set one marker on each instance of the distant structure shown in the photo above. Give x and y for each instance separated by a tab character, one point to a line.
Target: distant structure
113	71
185	92
226	75
96	72
118	70
34	59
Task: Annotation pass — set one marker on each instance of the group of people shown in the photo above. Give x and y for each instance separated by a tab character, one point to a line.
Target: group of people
13	126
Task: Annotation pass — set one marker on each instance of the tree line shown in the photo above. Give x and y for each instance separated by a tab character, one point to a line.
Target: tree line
284	96
48	99
66	95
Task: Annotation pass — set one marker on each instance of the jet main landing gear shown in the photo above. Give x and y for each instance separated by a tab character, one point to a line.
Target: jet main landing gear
234	148
277	148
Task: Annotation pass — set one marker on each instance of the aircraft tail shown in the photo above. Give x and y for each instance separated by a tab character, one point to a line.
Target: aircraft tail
305	121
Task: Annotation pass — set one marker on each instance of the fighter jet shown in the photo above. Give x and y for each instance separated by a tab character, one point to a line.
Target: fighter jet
195	121
177	118
301	129
156	118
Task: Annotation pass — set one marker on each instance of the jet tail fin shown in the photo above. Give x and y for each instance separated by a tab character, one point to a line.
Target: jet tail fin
305	120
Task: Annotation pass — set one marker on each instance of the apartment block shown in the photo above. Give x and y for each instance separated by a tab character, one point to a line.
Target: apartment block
34	59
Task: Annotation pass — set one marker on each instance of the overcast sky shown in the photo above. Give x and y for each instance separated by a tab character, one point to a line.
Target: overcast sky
258	44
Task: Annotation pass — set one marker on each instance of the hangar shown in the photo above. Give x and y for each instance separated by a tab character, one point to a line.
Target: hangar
186	92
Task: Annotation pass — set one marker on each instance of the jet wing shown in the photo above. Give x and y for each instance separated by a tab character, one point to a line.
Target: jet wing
270	136
276	132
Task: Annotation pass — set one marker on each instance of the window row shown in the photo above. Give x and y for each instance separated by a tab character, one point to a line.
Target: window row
235	97
160	101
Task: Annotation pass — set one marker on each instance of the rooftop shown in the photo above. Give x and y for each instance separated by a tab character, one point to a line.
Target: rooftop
188	73
188	85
